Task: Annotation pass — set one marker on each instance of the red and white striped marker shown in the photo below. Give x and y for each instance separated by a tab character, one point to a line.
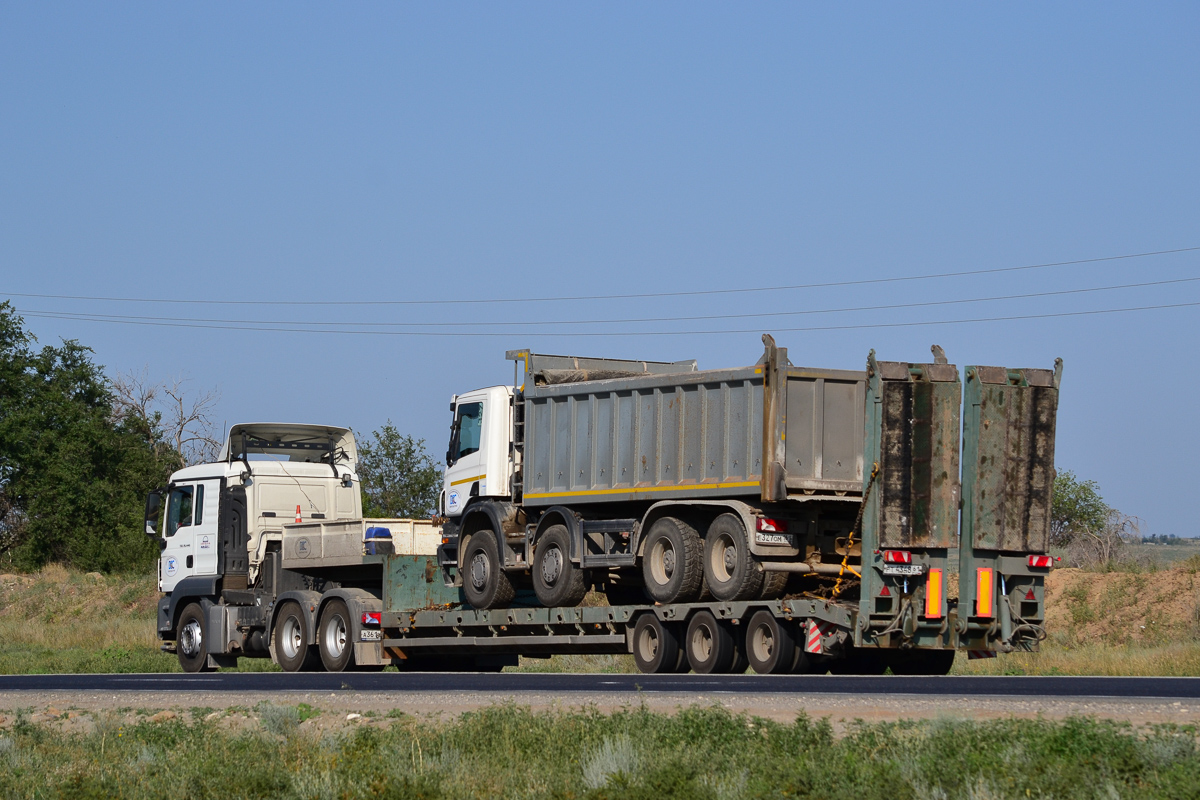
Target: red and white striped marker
298	513
974	654
813	634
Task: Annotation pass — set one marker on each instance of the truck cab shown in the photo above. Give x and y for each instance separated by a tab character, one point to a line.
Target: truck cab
481	458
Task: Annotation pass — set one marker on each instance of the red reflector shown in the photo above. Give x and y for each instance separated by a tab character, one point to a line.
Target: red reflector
1029	595
768	525
884	592
897	556
1040	561
372	618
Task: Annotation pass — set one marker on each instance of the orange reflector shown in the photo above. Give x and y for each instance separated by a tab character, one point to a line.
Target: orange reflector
933	595
983	592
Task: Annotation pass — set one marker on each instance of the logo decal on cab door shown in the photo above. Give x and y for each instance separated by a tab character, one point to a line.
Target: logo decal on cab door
452	502
171	565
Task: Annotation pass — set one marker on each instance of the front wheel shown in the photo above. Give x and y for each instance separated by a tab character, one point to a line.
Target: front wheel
334	637
292	650
191	645
485	585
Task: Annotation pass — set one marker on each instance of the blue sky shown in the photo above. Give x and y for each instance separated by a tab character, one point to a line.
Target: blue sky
289	152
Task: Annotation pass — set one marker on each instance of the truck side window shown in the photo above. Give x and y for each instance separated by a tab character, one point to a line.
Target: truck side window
179	509
469	427
199	504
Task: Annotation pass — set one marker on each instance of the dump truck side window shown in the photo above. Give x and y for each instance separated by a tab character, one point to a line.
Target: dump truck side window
470	426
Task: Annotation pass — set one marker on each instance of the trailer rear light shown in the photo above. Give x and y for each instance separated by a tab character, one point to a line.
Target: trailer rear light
1040	561
933	595
983	592
884	592
372	618
768	525
897	556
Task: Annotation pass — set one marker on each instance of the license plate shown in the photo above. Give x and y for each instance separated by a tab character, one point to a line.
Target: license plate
371	636
904	569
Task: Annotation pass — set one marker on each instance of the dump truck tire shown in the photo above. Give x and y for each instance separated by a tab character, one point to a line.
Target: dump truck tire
557	581
730	571
671	562
485	585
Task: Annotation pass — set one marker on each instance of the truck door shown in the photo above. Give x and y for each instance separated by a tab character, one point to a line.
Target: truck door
465	460
206	543
178	555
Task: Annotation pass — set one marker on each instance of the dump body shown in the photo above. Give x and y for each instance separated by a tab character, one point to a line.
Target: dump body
695	434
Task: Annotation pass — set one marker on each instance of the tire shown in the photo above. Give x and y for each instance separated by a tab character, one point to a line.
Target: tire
920	662
191	642
710	645
292	650
656	646
485	584
335	640
770	647
556	580
774	585
671	568
729	570
801	663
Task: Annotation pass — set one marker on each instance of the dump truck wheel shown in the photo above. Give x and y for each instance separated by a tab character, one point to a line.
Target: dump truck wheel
710	645
730	571
485	584
656	646
774	585
770	648
557	581
292	650
334	637
191	644
671	562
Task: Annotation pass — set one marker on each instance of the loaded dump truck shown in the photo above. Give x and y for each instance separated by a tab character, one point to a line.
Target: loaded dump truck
788	518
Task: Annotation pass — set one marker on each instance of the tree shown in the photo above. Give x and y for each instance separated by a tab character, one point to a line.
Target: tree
186	426
74	468
1077	509
398	477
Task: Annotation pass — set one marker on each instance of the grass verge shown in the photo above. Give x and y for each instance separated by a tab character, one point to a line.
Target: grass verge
507	751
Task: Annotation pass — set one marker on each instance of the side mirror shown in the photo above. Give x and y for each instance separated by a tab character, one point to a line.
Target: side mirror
153	513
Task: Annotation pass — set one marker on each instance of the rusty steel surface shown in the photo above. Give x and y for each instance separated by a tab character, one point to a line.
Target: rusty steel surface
415	582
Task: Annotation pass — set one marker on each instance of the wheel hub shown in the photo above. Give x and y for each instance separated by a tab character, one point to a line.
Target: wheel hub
730	558
479	570
668	561
552	566
335	638
191	639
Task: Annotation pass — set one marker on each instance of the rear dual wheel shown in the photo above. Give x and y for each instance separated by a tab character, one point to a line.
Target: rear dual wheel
730	571
292	650
712	647
671	562
656	646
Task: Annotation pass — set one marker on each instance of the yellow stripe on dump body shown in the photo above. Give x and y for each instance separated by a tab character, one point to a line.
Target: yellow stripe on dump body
676	487
468	480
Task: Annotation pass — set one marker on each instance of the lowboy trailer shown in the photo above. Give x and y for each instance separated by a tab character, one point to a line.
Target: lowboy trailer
782	518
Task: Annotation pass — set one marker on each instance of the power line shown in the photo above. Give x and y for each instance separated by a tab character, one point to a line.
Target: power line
92	316
632	296
532	334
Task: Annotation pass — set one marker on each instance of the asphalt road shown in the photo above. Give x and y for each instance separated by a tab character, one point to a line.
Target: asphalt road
574	684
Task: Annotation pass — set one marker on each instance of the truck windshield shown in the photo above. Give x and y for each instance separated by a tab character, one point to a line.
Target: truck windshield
179	509
470	425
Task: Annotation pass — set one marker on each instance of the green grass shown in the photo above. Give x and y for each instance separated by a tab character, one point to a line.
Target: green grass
511	752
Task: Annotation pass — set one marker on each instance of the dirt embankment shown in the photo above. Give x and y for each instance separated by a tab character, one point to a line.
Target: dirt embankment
1120	608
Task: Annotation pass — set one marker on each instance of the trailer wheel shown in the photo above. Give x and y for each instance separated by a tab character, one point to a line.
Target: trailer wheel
729	569
334	637
557	581
671	568
656	646
710	645
292	649
485	585
770	647
920	662
191	644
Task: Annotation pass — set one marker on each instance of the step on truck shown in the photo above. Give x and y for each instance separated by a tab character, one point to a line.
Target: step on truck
785	518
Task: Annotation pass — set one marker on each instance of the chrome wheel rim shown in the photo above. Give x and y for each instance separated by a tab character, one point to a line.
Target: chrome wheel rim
293	638
191	639
335	637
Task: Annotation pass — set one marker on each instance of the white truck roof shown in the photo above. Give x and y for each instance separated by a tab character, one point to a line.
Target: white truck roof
295	440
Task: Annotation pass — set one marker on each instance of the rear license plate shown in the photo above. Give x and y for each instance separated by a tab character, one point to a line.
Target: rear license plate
904	569
371	636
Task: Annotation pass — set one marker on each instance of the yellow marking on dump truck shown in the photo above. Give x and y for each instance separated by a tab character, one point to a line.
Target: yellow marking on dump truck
591	492
468	480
